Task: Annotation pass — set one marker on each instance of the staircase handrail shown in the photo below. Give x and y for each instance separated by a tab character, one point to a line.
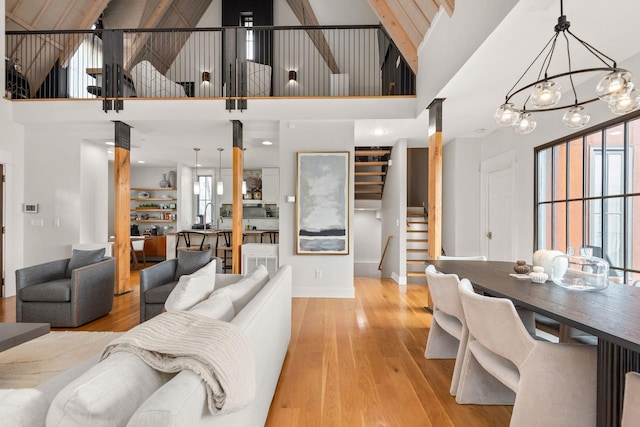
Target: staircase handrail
384	253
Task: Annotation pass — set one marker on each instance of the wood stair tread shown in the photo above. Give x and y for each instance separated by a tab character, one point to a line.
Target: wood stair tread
369	183
375	163
417	250
372	152
415	215
418	240
368	191
418	222
418	231
416	274
370	173
416	261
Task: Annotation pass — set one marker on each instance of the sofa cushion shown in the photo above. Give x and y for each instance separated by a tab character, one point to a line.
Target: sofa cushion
242	291
25	407
218	306
107	394
54	291
192	288
159	294
81	258
191	261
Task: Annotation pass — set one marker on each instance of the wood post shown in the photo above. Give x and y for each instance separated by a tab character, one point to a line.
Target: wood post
121	217
238	164
434	210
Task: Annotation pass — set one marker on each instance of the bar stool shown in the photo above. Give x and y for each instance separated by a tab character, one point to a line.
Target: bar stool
226	249
273	236
189	245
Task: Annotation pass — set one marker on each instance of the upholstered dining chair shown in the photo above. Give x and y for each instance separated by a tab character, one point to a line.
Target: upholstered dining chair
630	408
448	333
549	384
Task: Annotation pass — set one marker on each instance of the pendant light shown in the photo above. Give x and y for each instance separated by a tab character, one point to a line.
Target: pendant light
544	94
196	182
220	184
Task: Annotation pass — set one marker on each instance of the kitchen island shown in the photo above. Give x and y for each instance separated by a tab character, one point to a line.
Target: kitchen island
211	237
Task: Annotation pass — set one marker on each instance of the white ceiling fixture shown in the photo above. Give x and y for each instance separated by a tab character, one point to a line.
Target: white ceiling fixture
267	143
545	92
196	181
220	184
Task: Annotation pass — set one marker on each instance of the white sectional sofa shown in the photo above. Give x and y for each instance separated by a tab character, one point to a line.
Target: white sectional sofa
122	390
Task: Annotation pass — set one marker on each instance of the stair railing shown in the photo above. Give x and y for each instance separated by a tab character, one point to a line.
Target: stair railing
384	253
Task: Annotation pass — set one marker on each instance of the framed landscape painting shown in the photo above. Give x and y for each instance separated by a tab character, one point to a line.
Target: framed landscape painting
322	203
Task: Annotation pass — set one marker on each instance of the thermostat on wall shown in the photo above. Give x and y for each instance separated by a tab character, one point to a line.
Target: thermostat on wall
30	208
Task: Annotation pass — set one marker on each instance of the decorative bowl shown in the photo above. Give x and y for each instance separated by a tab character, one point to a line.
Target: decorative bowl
580	273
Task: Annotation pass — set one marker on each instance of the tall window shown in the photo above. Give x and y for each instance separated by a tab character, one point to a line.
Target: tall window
588	194
204	198
246	20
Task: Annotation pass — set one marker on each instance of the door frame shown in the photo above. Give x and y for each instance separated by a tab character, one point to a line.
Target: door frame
504	161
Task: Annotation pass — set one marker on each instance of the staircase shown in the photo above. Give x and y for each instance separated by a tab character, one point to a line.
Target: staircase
417	244
371	165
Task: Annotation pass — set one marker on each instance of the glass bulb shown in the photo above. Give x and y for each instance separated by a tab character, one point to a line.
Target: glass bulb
196	188
626	104
220	188
575	117
545	94
506	115
614	86
526	124
244	187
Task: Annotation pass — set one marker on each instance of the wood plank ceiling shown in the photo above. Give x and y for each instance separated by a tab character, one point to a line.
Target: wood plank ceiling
406	22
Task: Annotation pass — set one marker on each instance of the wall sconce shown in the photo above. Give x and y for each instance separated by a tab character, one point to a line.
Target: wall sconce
206	76
293	75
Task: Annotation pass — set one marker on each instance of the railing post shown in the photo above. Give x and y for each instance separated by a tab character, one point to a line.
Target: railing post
230	69
112	48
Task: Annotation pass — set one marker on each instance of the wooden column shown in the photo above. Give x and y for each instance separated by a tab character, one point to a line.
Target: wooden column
122	194
238	164
434	209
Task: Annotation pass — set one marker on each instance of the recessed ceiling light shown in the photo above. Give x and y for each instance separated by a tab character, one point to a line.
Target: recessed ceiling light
379	131
267	143
140	161
110	143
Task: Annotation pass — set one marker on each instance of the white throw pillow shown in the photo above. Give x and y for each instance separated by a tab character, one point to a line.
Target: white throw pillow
246	288
217	306
107	394
23	407
192	288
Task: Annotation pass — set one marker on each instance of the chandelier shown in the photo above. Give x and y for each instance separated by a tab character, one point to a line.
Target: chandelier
544	94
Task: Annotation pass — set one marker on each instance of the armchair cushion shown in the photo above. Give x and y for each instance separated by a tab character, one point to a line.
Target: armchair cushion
54	291
81	258
159	294
192	288
191	261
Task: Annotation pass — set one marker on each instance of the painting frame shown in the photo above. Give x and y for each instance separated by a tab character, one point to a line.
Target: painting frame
323	202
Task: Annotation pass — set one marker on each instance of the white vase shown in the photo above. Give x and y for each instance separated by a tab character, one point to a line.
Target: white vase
164	183
544	258
172	179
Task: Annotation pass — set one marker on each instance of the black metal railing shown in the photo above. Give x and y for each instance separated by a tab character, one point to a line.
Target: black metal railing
230	62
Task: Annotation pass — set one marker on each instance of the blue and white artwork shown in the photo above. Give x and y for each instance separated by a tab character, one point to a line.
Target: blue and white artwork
323	203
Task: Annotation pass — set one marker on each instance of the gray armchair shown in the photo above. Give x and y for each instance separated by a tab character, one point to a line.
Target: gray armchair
157	281
51	293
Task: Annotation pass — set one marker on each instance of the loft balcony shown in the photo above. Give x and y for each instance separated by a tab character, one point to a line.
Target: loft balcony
232	63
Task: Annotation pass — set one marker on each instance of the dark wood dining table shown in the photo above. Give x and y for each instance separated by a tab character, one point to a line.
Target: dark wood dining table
612	315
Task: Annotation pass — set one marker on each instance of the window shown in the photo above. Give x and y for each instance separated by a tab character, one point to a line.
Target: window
246	20
205	198
588	194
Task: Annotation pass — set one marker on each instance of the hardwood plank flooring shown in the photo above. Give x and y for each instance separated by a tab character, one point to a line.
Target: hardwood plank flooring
351	362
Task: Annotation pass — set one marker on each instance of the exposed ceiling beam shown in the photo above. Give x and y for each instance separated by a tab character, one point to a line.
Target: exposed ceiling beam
429	9
397	32
449	5
44	7
180	15
141	38
304	12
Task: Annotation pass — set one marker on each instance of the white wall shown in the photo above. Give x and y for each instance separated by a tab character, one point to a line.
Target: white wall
461	197
394	215
94	193
366	246
56	178
468	27
336	270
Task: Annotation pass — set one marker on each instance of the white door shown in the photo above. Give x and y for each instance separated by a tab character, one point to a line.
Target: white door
500	215
498	238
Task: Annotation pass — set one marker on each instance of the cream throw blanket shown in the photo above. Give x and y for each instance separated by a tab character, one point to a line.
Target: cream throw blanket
217	351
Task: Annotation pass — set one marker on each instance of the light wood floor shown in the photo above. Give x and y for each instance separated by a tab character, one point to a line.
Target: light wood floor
351	362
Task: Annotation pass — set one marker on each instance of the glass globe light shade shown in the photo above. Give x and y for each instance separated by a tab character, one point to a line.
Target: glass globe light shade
575	117
507	115
545	94
220	188
614	85
626	104
526	124
196	188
